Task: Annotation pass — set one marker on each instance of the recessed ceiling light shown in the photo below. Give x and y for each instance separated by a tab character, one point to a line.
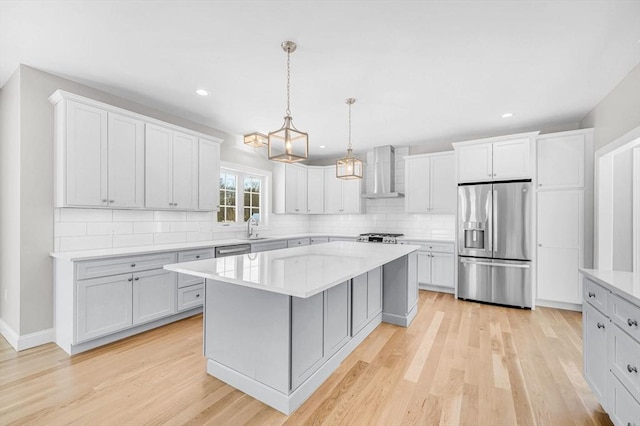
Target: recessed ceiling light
507	115
322	146
202	92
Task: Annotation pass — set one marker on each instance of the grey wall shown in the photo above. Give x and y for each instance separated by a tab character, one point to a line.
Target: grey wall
27	193
10	202
618	113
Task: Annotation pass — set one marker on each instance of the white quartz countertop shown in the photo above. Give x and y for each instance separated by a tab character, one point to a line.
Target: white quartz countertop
298	271
624	284
74	256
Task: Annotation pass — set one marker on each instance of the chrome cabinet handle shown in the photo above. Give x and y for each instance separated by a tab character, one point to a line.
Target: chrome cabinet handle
133	265
198	295
130	279
198	257
592	294
136	278
600	325
632	322
175	204
631	368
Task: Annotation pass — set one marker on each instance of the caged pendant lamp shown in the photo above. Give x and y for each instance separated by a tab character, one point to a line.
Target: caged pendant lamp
288	144
349	167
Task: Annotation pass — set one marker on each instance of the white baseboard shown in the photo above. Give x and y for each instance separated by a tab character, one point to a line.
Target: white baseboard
559	305
27	341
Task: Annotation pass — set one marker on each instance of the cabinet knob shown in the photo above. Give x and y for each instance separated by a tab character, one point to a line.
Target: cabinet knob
130	279
111	201
631	368
489	174
198	295
133	265
600	325
175	204
104	200
198	257
632	322
592	294
136	278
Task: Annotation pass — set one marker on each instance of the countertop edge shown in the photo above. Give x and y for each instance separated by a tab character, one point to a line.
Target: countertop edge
592	274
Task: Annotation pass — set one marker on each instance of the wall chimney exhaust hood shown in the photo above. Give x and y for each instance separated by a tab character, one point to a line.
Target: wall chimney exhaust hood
384	173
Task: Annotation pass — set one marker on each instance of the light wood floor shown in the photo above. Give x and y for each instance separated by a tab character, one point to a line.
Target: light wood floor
459	363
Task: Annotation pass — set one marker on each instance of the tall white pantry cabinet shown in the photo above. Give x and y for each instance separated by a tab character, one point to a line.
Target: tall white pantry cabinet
564	189
112	158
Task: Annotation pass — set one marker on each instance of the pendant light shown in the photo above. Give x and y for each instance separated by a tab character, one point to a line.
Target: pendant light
349	167
288	144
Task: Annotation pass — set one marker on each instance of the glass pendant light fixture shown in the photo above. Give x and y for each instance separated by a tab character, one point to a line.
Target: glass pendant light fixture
349	167
255	139
288	144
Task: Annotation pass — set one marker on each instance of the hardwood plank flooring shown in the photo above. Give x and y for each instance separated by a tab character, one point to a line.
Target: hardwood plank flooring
459	363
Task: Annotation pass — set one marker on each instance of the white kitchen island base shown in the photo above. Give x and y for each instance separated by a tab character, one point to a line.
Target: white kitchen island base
278	324
288	403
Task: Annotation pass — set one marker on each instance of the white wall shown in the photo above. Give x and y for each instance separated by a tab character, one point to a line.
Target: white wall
618	113
10	203
622	252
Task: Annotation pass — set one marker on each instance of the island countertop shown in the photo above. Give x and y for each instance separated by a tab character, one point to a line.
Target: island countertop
299	271
625	284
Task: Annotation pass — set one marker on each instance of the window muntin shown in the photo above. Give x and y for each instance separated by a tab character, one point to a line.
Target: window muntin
241	196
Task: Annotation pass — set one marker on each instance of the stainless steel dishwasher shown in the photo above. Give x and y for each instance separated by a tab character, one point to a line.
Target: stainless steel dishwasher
233	250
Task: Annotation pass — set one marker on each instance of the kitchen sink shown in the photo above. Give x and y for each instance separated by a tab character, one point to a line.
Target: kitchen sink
255	239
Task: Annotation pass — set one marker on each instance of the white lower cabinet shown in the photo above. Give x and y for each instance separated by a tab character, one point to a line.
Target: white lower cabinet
611	351
104	306
436	265
190	297
154	295
268	245
297	242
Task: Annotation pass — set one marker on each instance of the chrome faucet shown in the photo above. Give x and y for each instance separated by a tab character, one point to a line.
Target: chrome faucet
250	228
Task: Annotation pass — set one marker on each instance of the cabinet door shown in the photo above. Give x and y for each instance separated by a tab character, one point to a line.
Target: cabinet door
337	324
295	189
154	295
86	156
104	306
301	189
126	161
307	337
561	162
315	190
158	167
442	269
332	191
185	171
621	406
474	163
417	184
442	184
560	224
594	333
359	303
208	175
424	267
512	159
351	197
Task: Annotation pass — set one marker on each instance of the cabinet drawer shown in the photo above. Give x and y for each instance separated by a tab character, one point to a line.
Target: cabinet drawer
626	315
190	297
272	245
621	406
319	240
429	246
596	295
185	280
624	359
298	242
120	265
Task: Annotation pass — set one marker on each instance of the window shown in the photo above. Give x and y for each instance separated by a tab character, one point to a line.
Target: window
242	195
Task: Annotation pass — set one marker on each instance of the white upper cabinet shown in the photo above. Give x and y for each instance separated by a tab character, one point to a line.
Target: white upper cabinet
494	159
126	161
84	155
290	188
430	183
561	159
341	196
113	158
208	175
315	190
171	169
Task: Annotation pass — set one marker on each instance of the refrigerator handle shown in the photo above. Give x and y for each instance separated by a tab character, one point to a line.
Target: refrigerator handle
503	265
489	234
494	231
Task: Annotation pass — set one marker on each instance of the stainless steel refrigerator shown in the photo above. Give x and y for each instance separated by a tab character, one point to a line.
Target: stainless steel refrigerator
494	242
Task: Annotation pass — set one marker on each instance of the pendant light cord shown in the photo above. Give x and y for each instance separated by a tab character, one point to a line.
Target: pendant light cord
349	146
288	80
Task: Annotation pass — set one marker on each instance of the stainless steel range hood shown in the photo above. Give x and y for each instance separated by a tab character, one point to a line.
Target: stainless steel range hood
384	173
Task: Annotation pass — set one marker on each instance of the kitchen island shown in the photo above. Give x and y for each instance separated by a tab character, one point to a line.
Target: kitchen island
278	323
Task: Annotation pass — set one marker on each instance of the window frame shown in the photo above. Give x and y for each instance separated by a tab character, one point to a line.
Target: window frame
243	171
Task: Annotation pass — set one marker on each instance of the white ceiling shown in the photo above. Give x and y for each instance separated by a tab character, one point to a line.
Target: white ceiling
422	71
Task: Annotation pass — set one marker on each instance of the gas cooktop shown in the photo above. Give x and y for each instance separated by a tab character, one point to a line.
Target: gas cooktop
379	237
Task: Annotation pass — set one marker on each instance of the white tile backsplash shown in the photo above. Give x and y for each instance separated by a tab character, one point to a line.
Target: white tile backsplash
169	216
85	243
86	215
133	240
109	228
70	229
132	216
170	238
